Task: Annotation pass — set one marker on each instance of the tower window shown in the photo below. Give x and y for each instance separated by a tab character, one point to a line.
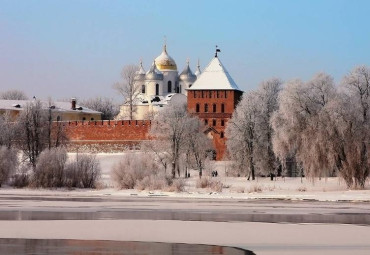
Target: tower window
218	94
222	135
206	108
157	89
206	122
197	107
169	86
222	108
143	89
225	94
222	123
214	123
210	94
214	107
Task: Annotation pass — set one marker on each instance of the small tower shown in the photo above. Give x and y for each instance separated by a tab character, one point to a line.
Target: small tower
154	81
213	98
186	79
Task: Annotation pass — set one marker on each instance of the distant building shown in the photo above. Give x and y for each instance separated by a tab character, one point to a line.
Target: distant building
61	111
160	86
213	98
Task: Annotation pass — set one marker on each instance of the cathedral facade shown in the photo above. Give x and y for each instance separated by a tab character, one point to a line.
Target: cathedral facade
159	86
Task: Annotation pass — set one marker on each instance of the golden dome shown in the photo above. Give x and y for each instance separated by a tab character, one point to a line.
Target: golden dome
165	62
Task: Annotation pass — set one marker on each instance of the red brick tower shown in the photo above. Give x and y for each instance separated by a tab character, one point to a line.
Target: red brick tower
213	98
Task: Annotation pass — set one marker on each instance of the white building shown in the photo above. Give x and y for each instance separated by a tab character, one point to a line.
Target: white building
161	85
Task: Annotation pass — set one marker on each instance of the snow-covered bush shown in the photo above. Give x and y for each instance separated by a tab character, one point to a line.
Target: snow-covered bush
206	182
132	169
49	172
8	163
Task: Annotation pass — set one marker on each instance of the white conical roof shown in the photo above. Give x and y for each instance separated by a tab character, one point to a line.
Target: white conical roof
215	77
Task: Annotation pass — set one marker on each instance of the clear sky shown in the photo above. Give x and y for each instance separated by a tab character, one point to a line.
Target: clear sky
77	48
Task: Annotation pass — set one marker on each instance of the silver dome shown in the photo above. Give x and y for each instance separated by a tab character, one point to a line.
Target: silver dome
154	74
140	74
187	74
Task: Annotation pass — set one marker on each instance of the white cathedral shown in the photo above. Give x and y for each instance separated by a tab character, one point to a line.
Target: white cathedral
161	85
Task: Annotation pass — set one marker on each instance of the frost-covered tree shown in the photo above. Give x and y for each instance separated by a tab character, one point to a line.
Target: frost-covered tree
169	127
173	132
302	121
105	105
241	134
266	103
197	145
13	95
351	150
128	88
250	133
7	130
36	131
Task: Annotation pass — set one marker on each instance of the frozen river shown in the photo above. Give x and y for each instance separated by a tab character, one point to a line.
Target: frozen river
262	226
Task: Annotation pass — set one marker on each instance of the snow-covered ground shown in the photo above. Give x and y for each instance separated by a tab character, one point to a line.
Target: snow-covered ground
330	189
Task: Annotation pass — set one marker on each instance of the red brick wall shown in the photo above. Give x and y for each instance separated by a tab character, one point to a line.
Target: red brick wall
107	131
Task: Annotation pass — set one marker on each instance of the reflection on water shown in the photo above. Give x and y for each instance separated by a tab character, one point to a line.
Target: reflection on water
51	246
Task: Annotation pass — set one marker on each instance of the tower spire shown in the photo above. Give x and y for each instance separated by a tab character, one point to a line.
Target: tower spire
165	44
217	50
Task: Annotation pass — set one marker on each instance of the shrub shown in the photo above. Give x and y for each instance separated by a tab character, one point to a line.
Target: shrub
178	185
21	178
141	171
49	172
207	182
8	163
88	169
131	171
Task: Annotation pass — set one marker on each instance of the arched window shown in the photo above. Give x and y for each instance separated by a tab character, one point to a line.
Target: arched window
206	108
92	119
222	123
222	108
214	107
58	118
195	94
190	85
197	107
214	123
210	94
84	118
157	89
206	122
222	135
169	86
225	94
143	89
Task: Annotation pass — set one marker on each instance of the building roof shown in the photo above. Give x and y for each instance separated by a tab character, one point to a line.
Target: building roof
215	77
19	105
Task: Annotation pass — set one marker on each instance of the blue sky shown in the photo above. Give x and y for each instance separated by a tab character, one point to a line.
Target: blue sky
77	48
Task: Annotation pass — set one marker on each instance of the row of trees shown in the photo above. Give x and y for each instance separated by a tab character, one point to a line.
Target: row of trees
35	137
325	128
178	140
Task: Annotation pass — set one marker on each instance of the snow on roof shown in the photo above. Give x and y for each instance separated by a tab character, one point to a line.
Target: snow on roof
19	105
215	77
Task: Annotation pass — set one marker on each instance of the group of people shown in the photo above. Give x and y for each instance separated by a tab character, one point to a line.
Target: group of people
214	174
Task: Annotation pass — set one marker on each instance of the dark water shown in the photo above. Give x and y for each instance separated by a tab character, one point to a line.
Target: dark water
58	246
